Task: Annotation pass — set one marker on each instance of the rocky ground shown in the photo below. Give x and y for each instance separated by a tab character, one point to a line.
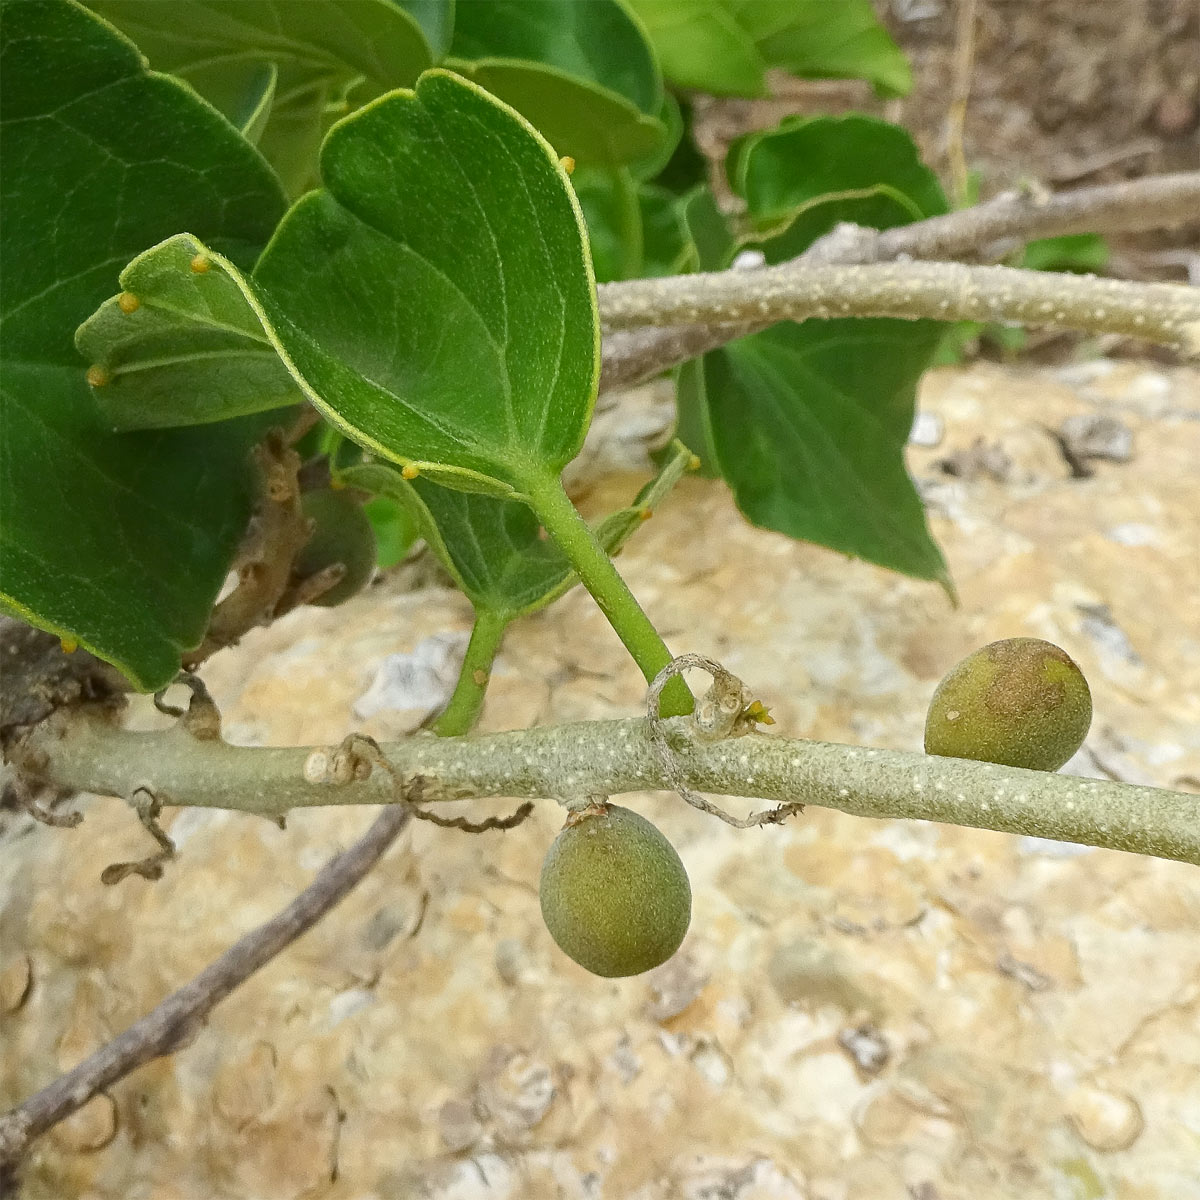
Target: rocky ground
862	1009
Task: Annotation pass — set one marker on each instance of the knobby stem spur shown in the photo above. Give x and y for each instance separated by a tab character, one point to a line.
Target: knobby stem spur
576	540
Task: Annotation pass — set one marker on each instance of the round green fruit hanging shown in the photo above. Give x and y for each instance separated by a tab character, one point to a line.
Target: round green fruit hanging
1021	702
341	533
614	893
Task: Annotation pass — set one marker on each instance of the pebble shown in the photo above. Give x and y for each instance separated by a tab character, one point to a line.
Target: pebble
1107	1121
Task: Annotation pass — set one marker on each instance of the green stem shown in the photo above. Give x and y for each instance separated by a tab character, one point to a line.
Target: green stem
576	540
462	712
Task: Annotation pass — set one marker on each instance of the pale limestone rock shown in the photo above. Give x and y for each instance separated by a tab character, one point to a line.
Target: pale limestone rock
16	977
1105	1120
89	1128
429	1040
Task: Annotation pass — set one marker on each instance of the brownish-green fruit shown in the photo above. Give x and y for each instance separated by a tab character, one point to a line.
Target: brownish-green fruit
1021	702
615	896
341	533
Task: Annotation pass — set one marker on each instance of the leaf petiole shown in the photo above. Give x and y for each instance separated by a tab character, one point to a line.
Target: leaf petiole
598	574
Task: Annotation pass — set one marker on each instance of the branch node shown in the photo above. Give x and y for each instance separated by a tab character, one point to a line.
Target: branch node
275	535
354	759
311	588
725	711
201	719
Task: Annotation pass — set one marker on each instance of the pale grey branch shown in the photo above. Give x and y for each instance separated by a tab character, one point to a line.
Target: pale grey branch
986	231
608	758
1161	312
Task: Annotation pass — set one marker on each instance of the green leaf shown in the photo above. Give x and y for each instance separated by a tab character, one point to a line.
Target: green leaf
808	422
436	301
583	74
377	39
709	231
726	46
667	247
1081	252
597	42
192	351
816	39
694	417
808	172
118	542
495	549
671	115
436	19
611	207
702	46
242	89
319	49
633	230
395	528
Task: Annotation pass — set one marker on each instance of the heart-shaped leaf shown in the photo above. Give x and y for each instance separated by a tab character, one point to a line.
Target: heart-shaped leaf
118	542
583	74
495	549
436	300
808	422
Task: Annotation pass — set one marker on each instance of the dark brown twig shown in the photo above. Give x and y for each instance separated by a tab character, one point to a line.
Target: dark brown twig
277	534
169	1025
149	808
467	826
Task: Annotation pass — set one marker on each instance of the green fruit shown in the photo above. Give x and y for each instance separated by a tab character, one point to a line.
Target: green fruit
615	896
341	533
1020	702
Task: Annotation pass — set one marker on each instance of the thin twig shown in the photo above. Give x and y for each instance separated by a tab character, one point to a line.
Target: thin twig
1015	217
277	534
515	818
956	117
178	1017
986	231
